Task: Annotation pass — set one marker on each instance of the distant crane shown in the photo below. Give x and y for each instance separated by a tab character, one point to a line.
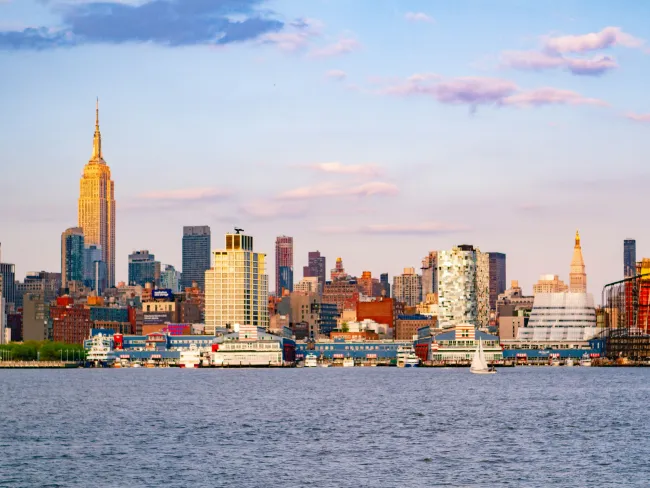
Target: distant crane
238	230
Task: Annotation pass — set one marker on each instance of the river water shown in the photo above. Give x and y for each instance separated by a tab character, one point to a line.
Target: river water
334	427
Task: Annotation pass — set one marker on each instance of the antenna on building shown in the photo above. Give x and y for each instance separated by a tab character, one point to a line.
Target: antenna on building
238	230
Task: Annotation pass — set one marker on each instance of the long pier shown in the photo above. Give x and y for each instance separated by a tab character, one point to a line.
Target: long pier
39	364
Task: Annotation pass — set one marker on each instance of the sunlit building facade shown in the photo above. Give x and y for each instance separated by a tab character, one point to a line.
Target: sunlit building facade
97	204
236	286
463	287
407	287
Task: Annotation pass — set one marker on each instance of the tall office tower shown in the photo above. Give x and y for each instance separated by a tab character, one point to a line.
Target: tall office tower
497	277
316	267
463	287
236	286
8	272
283	264
170	279
72	256
577	276
97	204
143	269
94	269
5	332
407	287
629	258
196	255
385	284
430	273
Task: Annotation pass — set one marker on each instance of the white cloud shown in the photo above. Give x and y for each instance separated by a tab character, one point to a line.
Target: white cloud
418	17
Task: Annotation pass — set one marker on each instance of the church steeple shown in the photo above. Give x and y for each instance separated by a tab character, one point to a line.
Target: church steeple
97	139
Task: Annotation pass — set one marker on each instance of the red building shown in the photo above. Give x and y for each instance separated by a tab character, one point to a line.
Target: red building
382	311
70	323
364	335
338	292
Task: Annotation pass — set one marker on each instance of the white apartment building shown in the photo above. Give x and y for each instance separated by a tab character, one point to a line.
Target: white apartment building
463	287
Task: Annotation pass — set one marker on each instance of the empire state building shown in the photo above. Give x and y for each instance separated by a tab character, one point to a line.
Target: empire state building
97	204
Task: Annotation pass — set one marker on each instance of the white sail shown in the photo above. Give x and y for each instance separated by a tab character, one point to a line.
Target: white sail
478	362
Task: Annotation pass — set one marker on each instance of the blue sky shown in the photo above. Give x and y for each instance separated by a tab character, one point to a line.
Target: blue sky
371	130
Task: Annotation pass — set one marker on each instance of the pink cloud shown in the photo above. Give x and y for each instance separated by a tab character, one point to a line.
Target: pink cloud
475	91
296	36
550	96
418	17
467	90
349	169
638	117
336	74
342	46
333	190
190	194
608	37
537	61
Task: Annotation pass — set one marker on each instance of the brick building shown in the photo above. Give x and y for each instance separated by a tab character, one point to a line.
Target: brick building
70	322
407	326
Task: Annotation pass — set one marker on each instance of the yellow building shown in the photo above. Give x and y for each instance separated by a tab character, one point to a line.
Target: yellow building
236	286
97	204
549	284
577	276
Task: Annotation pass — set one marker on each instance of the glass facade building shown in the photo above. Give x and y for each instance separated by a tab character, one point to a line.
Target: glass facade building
143	269
629	258
561	317
283	264
196	255
72	256
497	277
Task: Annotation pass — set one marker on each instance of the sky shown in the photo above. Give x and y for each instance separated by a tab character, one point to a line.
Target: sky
373	130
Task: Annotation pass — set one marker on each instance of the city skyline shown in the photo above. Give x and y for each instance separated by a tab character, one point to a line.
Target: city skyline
517	178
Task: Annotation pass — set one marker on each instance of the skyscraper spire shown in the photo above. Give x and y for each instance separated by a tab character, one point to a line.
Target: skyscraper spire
577	276
97	139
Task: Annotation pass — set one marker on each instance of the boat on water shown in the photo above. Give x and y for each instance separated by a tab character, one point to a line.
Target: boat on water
479	363
99	352
403	355
412	361
311	361
190	358
585	360
568	362
555	362
136	364
348	362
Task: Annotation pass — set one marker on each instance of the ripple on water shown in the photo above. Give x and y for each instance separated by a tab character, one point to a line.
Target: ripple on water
373	427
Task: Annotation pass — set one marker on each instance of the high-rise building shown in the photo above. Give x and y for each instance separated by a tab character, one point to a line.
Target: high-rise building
97	204
309	285
170	279
497	277
385	284
316	267
577	276
430	273
365	283
283	264
143	269
236	286
549	284
8	283
95	272
338	273
196	255
629	258
72	256
407	287
463	287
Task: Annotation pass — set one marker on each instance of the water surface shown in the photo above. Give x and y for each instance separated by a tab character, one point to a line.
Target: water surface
334	427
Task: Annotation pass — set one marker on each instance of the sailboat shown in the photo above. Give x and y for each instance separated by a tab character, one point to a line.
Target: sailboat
479	364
